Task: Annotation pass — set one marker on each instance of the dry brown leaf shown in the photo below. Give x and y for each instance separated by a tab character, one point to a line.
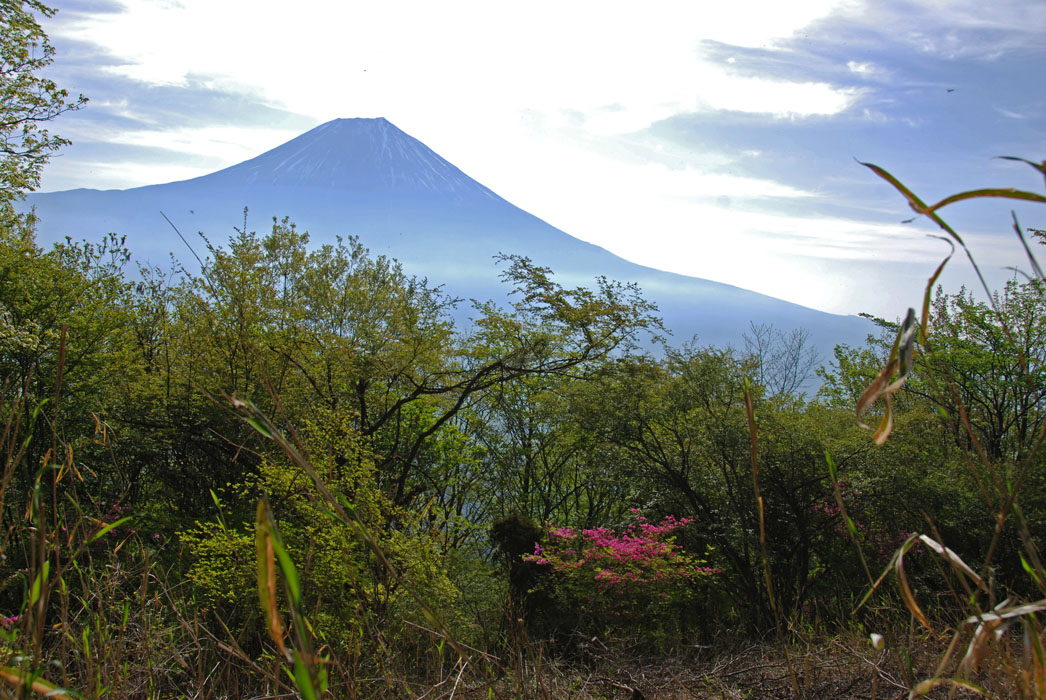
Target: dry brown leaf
266	560
17	679
884	384
906	591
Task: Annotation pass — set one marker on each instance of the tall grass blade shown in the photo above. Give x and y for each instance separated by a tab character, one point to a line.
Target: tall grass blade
266	563
1027	250
302	677
919	207
1003	193
105	530
19	680
900	364
902	584
1010	613
753	439
833	472
1041	167
1036	660
954	559
924	320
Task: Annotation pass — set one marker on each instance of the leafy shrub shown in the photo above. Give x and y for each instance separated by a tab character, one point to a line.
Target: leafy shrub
347	590
631	579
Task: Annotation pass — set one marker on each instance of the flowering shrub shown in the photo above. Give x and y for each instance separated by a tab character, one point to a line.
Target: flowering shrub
636	576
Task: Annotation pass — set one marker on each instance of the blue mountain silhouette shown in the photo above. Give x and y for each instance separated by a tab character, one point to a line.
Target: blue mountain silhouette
367	178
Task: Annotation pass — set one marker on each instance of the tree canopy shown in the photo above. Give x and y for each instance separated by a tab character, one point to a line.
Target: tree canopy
28	101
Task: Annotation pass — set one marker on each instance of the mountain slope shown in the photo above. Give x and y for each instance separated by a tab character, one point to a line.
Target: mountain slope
362	155
365	177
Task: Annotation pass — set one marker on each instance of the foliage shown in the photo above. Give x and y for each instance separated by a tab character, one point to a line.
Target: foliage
311	418
345	586
679	431
980	371
28	101
537	411
543	463
966	419
635	580
991	359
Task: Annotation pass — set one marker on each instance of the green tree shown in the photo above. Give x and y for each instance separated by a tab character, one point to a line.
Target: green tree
544	465
28	101
966	422
992	362
63	307
681	435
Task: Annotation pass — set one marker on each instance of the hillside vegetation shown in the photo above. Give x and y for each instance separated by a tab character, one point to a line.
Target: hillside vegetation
293	475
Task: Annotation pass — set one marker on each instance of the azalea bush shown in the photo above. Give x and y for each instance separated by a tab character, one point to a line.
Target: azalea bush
636	578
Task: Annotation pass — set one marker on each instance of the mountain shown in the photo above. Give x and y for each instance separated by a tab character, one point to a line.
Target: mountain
365	177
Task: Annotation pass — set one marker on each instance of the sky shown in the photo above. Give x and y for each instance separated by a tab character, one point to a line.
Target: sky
719	140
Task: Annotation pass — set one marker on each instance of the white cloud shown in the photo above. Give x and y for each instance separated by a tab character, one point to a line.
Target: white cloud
542	102
780	98
619	67
829	263
230	144
1010	114
864	69
199	151
689	221
114	174
950	28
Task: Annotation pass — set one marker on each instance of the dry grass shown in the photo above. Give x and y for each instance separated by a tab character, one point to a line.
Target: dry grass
840	667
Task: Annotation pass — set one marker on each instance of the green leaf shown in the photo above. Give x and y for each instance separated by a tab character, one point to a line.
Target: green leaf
262	430
38	582
1031	571
105	530
302	678
1002	193
290	574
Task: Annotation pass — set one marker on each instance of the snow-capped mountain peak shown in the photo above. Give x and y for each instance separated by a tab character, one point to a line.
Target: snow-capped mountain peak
353	154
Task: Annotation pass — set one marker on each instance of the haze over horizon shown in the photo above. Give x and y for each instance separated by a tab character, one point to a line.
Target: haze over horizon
401	200
713	143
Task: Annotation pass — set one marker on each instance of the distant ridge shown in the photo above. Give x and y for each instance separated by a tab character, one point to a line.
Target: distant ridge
368	178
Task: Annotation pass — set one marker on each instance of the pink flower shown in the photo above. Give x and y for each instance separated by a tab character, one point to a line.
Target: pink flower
639	559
